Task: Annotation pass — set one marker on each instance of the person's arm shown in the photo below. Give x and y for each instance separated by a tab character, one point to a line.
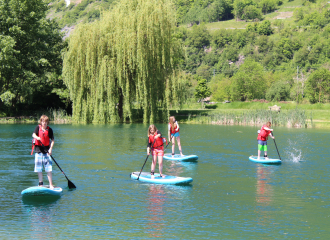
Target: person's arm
35	133
148	146
51	136
177	126
158	134
268	129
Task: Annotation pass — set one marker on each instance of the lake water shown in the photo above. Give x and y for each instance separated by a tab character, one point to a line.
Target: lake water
230	197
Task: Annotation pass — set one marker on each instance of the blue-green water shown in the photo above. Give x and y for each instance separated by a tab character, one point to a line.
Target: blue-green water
230	197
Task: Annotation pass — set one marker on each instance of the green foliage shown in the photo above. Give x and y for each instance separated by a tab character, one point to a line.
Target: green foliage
30	50
202	90
278	91
251	12
249	82
197	11
128	57
318	86
221	89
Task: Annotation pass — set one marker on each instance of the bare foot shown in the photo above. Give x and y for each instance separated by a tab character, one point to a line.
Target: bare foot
152	176
51	187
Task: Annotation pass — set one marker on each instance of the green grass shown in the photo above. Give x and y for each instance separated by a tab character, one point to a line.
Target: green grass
290	112
233	24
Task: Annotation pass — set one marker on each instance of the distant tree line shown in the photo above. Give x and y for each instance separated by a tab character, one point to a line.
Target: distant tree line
264	61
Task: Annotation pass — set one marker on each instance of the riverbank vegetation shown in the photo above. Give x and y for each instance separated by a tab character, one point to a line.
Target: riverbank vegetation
111	69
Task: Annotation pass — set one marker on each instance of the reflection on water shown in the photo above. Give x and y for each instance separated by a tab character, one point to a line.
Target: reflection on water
40	212
156	199
264	193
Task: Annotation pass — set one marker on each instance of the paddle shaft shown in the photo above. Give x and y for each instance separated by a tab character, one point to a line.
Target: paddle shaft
276	147
70	184
145	160
277	150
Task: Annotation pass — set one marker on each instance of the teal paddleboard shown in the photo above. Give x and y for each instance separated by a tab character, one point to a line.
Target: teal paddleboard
42	191
263	160
146	177
178	157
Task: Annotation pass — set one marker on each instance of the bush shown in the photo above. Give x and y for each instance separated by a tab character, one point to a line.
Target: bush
279	91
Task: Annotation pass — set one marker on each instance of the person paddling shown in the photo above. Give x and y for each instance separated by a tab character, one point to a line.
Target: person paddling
43	138
156	144
173	132
265	131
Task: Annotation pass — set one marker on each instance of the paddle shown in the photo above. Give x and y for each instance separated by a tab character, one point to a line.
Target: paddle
168	143
276	148
70	184
146	160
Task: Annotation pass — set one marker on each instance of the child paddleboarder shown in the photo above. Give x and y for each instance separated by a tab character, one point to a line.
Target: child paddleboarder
265	131
156	145
173	132
43	142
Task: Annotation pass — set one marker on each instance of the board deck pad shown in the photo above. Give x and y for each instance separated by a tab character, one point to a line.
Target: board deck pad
42	191
263	160
178	157
146	177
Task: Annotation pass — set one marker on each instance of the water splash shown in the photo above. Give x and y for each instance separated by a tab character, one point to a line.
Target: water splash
294	153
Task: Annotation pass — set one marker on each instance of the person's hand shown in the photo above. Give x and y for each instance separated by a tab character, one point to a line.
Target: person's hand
273	137
39	138
50	151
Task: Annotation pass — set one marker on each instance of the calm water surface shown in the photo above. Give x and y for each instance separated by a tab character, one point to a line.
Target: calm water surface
230	197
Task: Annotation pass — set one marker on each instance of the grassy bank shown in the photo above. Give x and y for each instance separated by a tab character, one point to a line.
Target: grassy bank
255	113
241	113
55	116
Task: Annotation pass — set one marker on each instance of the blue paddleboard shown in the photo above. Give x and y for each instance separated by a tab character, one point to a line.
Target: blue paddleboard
42	191
146	177
263	160
178	157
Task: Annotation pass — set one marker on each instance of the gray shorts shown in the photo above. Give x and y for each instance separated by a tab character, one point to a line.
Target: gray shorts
42	160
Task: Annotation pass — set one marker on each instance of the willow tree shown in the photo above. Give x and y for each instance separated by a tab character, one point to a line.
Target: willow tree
126	59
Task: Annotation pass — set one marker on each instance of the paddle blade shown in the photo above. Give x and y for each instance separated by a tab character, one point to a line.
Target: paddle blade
71	185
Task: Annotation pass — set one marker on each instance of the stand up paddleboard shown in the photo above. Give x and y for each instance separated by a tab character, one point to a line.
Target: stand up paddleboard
146	177
42	191
178	157
263	160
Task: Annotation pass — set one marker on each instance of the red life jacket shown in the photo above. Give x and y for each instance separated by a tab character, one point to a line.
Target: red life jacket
158	143
175	129
44	135
263	135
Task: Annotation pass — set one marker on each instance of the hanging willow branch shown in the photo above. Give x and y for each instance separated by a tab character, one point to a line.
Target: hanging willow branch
124	61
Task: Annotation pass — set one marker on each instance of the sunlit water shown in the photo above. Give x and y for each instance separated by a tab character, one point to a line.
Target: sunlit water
230	197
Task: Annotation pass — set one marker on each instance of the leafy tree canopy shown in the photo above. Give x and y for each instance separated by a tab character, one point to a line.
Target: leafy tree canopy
30	52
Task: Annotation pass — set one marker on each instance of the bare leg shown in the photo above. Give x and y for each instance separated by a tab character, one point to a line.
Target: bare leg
153	165
173	145
40	177
50	179
259	154
160	164
179	145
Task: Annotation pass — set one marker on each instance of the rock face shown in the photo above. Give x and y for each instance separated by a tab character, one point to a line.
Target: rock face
275	108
